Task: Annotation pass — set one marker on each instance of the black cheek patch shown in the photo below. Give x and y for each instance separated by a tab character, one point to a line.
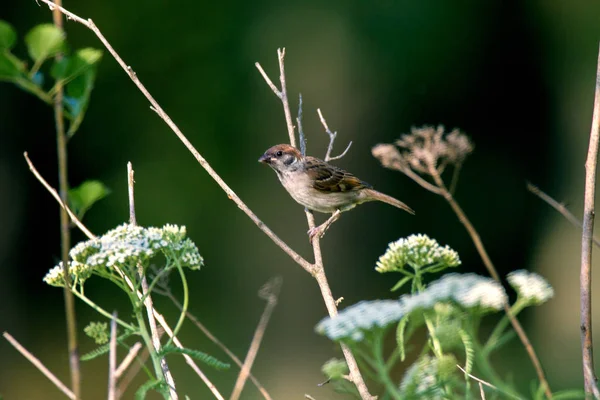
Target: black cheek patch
288	160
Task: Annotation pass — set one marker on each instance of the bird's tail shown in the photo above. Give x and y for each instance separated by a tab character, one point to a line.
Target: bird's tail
375	195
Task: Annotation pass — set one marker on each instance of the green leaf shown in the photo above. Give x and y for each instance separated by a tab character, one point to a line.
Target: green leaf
77	98
569	394
101	350
469	350
400	337
85	195
198	355
44	41
11	68
159	386
400	283
70	67
8	36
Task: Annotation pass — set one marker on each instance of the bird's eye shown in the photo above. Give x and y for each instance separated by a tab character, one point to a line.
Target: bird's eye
279	153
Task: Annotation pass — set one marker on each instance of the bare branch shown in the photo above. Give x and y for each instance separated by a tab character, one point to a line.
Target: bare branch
269	292
188	359
112	359
133	352
214	339
54	194
38	364
284	97
332	136
560	207
147	296
301	136
585	278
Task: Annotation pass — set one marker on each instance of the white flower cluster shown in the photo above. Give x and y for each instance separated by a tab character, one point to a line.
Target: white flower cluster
531	287
420	382
353	321
467	290
125	246
417	251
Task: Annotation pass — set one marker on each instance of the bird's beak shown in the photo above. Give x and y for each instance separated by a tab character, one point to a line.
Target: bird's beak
265	159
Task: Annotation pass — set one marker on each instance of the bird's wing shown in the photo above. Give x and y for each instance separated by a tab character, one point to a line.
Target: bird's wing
327	178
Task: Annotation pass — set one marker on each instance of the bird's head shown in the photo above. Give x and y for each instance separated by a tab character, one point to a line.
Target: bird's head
281	157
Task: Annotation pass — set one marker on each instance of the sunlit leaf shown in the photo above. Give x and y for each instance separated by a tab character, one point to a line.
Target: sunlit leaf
83	197
44	41
8	36
70	67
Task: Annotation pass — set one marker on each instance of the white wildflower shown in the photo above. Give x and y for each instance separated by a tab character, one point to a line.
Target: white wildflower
467	290
530	286
417	251
353	321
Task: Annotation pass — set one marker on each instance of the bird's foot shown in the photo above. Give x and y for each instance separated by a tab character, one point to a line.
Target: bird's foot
317	231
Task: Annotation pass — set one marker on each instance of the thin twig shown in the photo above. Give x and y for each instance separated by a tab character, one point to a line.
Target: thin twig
165	117
561	208
112	359
133	371
133	352
65	230
269	292
147	297
54	194
589	375
38	364
214	339
301	136
188	359
462	217
481	391
482	382
332	136
318	269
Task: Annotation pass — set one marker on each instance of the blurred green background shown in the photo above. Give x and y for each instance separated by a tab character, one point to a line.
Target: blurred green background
516	76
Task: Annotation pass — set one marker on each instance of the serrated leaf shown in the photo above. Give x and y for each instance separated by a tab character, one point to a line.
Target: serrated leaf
198	355
159	386
469	350
44	41
8	36
105	348
400	283
400	331
85	195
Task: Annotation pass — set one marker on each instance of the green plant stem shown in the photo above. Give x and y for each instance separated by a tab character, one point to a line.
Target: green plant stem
148	341
382	370
103	311
501	326
185	302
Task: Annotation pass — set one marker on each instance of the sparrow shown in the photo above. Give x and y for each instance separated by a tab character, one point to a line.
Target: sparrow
320	186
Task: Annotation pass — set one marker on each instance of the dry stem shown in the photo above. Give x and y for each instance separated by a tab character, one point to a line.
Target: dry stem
585	278
148	298
214	339
561	208
332	136
38	364
269	292
112	359
65	230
